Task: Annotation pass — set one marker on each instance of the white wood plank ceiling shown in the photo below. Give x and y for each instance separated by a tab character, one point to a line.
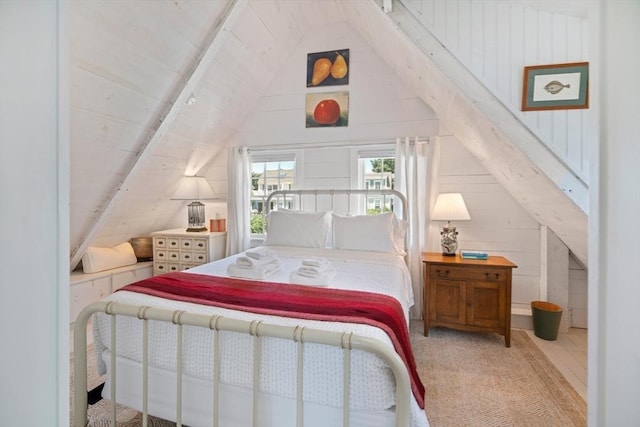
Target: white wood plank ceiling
133	65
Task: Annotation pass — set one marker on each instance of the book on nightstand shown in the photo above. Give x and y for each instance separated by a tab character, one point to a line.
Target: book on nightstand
467	254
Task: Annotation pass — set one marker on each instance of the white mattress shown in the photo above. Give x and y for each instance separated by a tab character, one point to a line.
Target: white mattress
372	386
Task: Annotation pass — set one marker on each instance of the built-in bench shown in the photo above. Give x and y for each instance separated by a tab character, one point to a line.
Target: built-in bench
86	288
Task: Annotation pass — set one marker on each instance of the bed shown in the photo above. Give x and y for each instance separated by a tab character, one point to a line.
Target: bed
218	345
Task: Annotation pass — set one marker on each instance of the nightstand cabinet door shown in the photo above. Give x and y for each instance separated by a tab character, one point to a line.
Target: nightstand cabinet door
486	303
447	301
469	295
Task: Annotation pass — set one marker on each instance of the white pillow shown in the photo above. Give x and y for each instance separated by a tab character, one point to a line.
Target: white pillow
374	233
99	259
299	229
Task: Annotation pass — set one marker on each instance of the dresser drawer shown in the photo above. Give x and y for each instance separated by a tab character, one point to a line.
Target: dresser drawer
200	258
467	272
173	256
159	267
201	245
160	255
187	257
186	244
159	242
173	243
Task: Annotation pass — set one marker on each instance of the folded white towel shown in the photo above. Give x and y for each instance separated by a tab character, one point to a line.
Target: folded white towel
309	271
248	262
259	272
315	262
260	253
324	279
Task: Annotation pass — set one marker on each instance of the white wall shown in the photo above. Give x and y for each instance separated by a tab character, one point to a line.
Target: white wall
614	318
496	39
34	168
381	107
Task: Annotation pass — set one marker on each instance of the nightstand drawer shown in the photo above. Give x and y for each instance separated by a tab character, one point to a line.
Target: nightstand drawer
467	273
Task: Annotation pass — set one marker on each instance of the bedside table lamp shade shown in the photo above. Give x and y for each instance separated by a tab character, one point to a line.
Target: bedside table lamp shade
449	207
195	188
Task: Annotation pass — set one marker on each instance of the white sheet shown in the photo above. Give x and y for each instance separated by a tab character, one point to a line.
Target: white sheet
355	270
372	386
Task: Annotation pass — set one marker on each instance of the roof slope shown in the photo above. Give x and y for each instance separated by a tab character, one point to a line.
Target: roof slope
133	64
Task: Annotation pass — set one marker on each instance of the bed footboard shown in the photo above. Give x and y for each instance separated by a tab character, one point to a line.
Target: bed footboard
216	323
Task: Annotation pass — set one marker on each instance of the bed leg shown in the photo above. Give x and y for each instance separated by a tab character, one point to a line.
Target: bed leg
95	395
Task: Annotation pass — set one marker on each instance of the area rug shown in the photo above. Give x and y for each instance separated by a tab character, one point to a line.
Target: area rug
472	379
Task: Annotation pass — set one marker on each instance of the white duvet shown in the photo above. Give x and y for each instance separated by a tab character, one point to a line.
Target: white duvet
372	386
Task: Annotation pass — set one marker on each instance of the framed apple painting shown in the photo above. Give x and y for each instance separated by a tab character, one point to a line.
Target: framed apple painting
327	109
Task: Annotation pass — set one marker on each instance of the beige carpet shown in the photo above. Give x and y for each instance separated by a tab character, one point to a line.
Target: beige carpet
472	379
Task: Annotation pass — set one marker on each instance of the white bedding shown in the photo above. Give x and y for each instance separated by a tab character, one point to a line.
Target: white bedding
372	387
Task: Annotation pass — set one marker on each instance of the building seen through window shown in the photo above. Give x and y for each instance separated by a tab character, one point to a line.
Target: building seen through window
266	177
378	173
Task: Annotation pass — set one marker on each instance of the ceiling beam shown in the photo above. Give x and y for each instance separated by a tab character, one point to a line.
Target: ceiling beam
164	116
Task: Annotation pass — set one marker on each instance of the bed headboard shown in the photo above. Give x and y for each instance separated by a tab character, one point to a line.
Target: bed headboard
340	201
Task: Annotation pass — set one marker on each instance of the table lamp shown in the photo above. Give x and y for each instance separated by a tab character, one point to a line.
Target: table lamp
449	207
195	188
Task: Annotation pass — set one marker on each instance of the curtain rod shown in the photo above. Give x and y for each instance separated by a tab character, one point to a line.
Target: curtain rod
331	144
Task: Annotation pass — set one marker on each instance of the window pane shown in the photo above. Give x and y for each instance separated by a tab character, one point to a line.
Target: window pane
268	176
378	173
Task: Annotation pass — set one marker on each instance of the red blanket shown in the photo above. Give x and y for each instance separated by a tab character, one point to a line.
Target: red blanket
289	300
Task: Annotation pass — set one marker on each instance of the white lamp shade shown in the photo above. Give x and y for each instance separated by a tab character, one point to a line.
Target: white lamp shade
194	188
450	207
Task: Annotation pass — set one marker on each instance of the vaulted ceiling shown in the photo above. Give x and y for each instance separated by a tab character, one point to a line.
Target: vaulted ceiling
135	64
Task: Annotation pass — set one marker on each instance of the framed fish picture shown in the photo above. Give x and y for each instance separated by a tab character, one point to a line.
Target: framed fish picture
556	87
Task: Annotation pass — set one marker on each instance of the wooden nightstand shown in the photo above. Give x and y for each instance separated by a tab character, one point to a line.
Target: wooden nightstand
466	294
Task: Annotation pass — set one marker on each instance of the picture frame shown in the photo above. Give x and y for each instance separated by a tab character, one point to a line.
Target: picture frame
329	68
327	109
556	87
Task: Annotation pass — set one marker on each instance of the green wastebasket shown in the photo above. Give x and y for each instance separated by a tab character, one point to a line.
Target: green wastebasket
546	319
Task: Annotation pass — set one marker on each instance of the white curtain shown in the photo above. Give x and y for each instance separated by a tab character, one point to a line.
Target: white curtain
413	173
238	200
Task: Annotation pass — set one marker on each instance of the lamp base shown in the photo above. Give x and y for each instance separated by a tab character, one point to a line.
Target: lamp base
198	229
449	241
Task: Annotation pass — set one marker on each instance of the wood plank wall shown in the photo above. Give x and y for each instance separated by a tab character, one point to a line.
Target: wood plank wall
496	39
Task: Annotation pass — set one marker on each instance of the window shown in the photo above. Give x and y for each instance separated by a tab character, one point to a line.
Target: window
270	172
376	170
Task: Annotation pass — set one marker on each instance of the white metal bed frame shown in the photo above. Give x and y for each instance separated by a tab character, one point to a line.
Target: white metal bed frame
257	329
390	193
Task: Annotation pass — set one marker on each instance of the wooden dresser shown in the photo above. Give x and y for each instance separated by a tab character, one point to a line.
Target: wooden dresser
176	250
466	294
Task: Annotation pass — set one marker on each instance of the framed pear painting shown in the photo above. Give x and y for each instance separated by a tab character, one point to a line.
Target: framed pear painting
330	68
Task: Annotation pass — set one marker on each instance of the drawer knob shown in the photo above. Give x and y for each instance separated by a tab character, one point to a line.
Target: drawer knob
444	273
494	276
